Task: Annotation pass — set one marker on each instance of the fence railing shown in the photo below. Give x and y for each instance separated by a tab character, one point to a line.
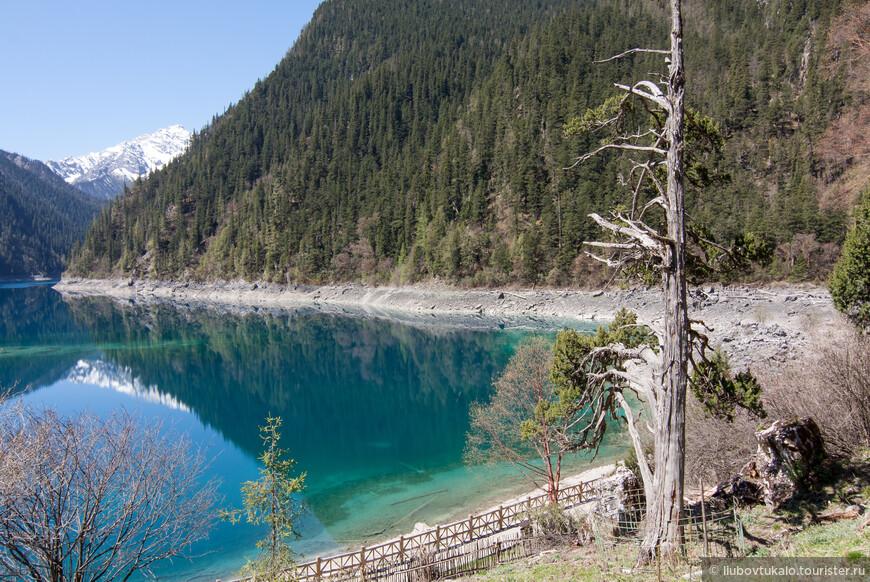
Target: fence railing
709	529
408	551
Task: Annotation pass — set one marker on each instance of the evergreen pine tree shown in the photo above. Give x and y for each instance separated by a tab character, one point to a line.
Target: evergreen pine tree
850	281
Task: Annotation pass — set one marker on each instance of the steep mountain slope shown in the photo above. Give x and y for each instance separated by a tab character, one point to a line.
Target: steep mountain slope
395	145
365	83
41	218
103	174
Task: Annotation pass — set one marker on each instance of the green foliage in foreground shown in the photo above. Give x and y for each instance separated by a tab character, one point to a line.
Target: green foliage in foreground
573	348
578	359
850	281
721	393
273	500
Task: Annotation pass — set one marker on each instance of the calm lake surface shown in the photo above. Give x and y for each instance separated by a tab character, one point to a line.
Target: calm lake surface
375	411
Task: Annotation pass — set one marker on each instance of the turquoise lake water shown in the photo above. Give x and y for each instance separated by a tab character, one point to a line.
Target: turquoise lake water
375	411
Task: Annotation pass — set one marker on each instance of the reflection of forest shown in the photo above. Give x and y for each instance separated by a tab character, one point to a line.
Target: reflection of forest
364	395
39	341
367	403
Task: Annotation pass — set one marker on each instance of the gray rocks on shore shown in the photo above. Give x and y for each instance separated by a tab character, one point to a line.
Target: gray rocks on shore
753	325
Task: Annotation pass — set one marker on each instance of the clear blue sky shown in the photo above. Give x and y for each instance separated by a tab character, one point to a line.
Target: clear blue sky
78	76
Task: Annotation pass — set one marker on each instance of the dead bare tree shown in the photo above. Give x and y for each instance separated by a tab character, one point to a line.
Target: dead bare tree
82	498
649	124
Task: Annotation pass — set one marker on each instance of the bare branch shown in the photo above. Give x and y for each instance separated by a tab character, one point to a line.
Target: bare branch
642	463
616	146
653	93
642	226
726	252
643	238
633	51
637	136
97	498
615	264
701	323
612	246
657	201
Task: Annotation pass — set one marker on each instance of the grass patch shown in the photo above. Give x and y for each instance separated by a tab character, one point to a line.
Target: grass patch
579	565
827	541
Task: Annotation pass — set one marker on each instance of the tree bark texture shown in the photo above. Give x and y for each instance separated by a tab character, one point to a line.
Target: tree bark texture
663	531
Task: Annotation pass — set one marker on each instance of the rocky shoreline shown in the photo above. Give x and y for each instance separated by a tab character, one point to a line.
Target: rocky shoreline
769	324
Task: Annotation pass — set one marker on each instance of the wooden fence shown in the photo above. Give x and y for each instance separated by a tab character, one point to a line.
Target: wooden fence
422	550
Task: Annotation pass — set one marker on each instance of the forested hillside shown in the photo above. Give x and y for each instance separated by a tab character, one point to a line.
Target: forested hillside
429	142
41	218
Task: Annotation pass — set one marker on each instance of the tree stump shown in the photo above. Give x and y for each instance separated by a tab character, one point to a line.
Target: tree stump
787	454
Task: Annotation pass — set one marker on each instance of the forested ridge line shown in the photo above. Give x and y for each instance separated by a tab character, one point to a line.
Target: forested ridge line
43	218
393	146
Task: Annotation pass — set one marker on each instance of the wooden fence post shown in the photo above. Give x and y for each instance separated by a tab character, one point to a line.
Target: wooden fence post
362	564
470	528
704	518
401	548
500	518
318	569
437	537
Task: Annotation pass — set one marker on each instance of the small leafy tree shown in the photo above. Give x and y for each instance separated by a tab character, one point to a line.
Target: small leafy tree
540	411
589	371
524	420
273	500
850	281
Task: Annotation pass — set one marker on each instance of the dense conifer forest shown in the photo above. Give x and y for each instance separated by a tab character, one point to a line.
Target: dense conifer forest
429	142
42	218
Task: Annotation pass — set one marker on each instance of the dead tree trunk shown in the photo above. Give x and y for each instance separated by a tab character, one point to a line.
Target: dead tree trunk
663	512
663	528
650	149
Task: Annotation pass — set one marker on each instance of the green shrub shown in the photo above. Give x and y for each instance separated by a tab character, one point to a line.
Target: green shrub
850	281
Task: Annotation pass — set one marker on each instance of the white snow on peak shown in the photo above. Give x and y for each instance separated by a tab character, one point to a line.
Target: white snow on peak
104	375
105	172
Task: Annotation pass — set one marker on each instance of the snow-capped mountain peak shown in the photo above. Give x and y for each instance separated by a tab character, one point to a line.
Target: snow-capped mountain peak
104	173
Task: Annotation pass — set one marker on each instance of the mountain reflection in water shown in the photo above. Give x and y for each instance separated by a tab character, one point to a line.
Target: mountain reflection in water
375	411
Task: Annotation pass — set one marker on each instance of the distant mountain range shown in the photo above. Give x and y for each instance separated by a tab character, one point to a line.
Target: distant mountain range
103	174
41	218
